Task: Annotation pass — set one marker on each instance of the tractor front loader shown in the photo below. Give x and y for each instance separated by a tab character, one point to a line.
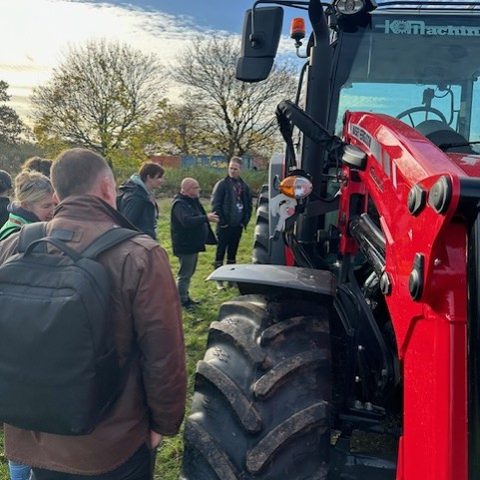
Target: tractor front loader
353	350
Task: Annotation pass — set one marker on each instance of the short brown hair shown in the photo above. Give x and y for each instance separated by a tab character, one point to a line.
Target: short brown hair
38	164
150	169
237	160
77	171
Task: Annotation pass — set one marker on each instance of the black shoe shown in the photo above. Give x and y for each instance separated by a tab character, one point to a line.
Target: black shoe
189	305
194	302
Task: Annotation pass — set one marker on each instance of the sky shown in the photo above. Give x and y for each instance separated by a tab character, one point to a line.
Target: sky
35	34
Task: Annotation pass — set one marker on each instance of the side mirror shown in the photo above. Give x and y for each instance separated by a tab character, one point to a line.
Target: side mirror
259	46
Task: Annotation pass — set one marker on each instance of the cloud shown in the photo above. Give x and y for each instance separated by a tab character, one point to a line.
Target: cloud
36	33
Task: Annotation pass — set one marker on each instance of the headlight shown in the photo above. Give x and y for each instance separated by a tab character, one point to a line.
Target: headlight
349	7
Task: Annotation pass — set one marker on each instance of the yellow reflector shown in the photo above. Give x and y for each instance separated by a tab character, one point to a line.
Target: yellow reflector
296	187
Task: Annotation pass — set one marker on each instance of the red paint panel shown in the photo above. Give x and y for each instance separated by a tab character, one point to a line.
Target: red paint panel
431	332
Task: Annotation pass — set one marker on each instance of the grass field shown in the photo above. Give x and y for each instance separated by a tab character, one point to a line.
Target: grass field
195	327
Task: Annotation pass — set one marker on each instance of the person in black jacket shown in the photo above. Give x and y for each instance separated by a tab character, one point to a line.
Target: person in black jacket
5	191
232	202
190	230
137	201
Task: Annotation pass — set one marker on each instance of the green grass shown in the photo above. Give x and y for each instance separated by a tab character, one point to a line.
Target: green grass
196	325
207	177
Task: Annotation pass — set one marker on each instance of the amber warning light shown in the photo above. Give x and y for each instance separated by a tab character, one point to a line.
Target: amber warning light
297	30
296	187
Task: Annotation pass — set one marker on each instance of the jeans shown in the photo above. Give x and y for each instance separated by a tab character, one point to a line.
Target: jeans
139	467
188	265
18	471
228	242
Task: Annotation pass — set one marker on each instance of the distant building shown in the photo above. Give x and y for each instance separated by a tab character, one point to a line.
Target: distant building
215	161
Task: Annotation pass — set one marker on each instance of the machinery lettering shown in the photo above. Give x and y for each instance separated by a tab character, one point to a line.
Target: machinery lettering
418	27
361	135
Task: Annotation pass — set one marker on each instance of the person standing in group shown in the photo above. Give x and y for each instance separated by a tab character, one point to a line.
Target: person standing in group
34	202
190	231
137	201
5	192
232	202
146	319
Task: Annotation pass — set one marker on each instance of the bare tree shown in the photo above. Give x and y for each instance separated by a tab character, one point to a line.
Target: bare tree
97	97
236	118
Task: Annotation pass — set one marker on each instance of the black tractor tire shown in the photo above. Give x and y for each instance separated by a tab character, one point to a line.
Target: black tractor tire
261	407
261	237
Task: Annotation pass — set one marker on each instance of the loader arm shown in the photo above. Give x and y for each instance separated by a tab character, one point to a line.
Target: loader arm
427	206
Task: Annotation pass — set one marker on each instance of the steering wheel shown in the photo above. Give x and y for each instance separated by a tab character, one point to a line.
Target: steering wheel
409	111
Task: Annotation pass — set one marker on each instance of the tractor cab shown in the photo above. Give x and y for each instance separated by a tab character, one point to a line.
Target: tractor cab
415	61
420	65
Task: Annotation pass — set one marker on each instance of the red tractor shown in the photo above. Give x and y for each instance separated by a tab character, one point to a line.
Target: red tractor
360	315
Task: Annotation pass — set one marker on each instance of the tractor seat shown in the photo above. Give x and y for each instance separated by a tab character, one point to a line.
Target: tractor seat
440	133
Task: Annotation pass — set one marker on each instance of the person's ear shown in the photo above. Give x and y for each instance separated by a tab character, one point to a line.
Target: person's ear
107	191
55	198
24	204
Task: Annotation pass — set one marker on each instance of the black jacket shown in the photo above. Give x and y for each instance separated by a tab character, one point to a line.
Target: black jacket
224	203
136	205
4	201
189	226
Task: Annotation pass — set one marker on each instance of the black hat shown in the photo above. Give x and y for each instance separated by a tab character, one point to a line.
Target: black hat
5	181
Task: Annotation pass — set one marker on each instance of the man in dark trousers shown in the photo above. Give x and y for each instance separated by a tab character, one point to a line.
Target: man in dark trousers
147	327
232	202
191	231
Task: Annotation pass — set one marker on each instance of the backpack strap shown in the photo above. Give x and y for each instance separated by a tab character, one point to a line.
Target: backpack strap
29	233
108	240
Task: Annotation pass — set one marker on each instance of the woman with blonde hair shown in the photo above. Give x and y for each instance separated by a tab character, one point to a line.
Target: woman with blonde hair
33	202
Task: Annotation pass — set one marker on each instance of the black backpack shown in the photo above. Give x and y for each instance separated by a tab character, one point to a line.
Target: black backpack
59	370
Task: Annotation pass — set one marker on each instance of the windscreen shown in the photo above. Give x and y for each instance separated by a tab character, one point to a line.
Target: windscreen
414	66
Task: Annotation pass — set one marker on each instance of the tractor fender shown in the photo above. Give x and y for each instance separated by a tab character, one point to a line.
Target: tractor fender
321	282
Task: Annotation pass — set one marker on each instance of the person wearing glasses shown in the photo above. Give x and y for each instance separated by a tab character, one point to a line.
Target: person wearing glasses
190	230
33	202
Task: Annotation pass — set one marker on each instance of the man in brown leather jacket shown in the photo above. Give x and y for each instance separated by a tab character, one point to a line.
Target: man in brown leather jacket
147	319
